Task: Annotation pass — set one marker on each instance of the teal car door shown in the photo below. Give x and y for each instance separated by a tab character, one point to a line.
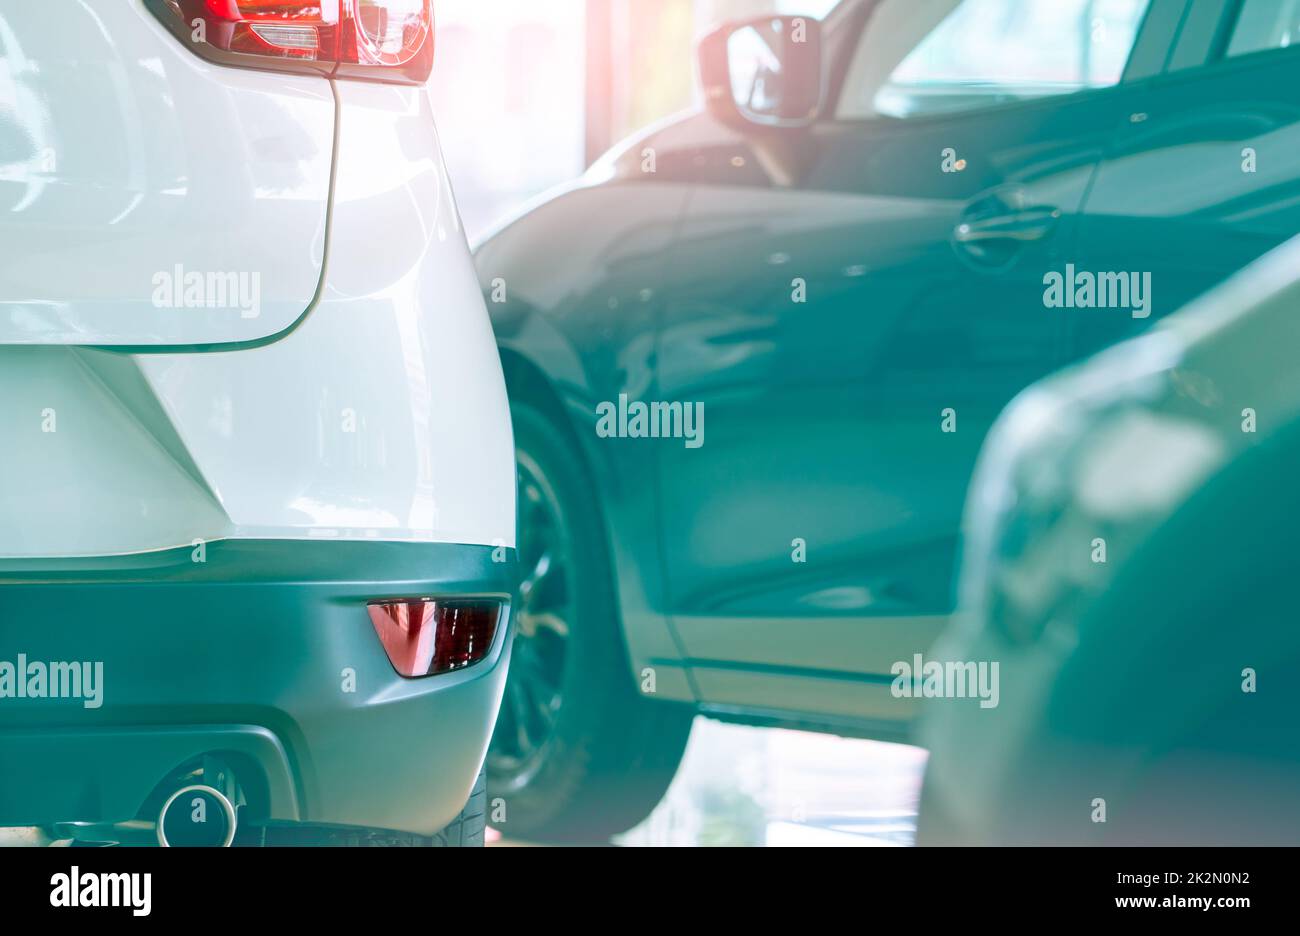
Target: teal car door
1204	176
851	306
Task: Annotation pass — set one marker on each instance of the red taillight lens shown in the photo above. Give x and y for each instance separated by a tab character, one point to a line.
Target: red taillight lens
388	32
385	39
424	636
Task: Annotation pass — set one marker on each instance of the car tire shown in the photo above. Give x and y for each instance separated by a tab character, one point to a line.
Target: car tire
578	754
467	830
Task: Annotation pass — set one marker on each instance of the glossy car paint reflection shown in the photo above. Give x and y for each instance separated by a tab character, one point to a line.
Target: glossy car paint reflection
208	446
205	516
825	416
613	262
436	467
99	196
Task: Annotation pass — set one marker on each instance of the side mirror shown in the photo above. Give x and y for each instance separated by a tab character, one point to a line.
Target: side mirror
765	72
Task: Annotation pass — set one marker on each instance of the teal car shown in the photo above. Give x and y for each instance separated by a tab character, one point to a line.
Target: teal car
1130	566
754	353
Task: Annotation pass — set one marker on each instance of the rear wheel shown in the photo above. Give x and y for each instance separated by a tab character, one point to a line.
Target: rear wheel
578	754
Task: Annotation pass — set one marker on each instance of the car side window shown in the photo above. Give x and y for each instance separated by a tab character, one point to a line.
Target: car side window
917	58
1265	24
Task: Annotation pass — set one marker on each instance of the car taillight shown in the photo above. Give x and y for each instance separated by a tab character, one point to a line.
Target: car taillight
388	40
425	636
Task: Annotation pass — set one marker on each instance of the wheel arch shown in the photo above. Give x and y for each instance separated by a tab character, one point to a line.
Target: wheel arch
645	631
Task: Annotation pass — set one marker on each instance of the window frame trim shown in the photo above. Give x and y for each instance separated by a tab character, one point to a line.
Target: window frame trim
1211	59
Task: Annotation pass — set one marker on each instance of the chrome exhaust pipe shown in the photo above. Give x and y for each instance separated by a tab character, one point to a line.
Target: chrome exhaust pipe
197	816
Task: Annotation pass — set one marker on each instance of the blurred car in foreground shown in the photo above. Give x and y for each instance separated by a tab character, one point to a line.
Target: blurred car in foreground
838	271
1131	565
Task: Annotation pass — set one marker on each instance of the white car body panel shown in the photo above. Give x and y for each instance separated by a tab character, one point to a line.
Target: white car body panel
381	414
157	161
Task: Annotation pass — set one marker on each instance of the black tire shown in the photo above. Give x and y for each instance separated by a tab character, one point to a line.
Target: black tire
469	828
465	831
600	756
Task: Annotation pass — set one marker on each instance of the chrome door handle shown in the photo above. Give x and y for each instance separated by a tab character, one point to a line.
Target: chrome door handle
1033	224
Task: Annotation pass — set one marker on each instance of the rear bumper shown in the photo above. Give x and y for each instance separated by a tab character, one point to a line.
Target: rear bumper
262	654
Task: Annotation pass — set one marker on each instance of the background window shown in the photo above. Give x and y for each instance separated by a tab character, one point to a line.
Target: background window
921	57
1265	24
563	81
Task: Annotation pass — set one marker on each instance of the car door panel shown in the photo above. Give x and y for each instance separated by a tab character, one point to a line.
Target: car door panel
1204	179
826	417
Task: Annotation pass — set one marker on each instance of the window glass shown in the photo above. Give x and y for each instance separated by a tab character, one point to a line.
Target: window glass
1265	24
922	57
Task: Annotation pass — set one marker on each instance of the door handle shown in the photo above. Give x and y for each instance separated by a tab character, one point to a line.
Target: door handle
1032	224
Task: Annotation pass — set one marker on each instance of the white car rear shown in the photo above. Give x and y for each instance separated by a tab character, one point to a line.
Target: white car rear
252	419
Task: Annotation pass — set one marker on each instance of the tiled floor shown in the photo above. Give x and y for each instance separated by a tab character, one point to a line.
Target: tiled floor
21	838
760	786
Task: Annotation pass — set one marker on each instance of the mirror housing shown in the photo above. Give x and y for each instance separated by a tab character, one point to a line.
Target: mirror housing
764	72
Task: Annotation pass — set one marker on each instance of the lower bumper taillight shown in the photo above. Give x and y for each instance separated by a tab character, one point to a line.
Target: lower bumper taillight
427	636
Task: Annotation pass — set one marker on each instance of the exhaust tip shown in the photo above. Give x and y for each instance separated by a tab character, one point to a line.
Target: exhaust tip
197	816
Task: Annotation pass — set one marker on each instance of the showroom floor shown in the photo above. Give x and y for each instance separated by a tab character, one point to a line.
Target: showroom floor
760	786
755	786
